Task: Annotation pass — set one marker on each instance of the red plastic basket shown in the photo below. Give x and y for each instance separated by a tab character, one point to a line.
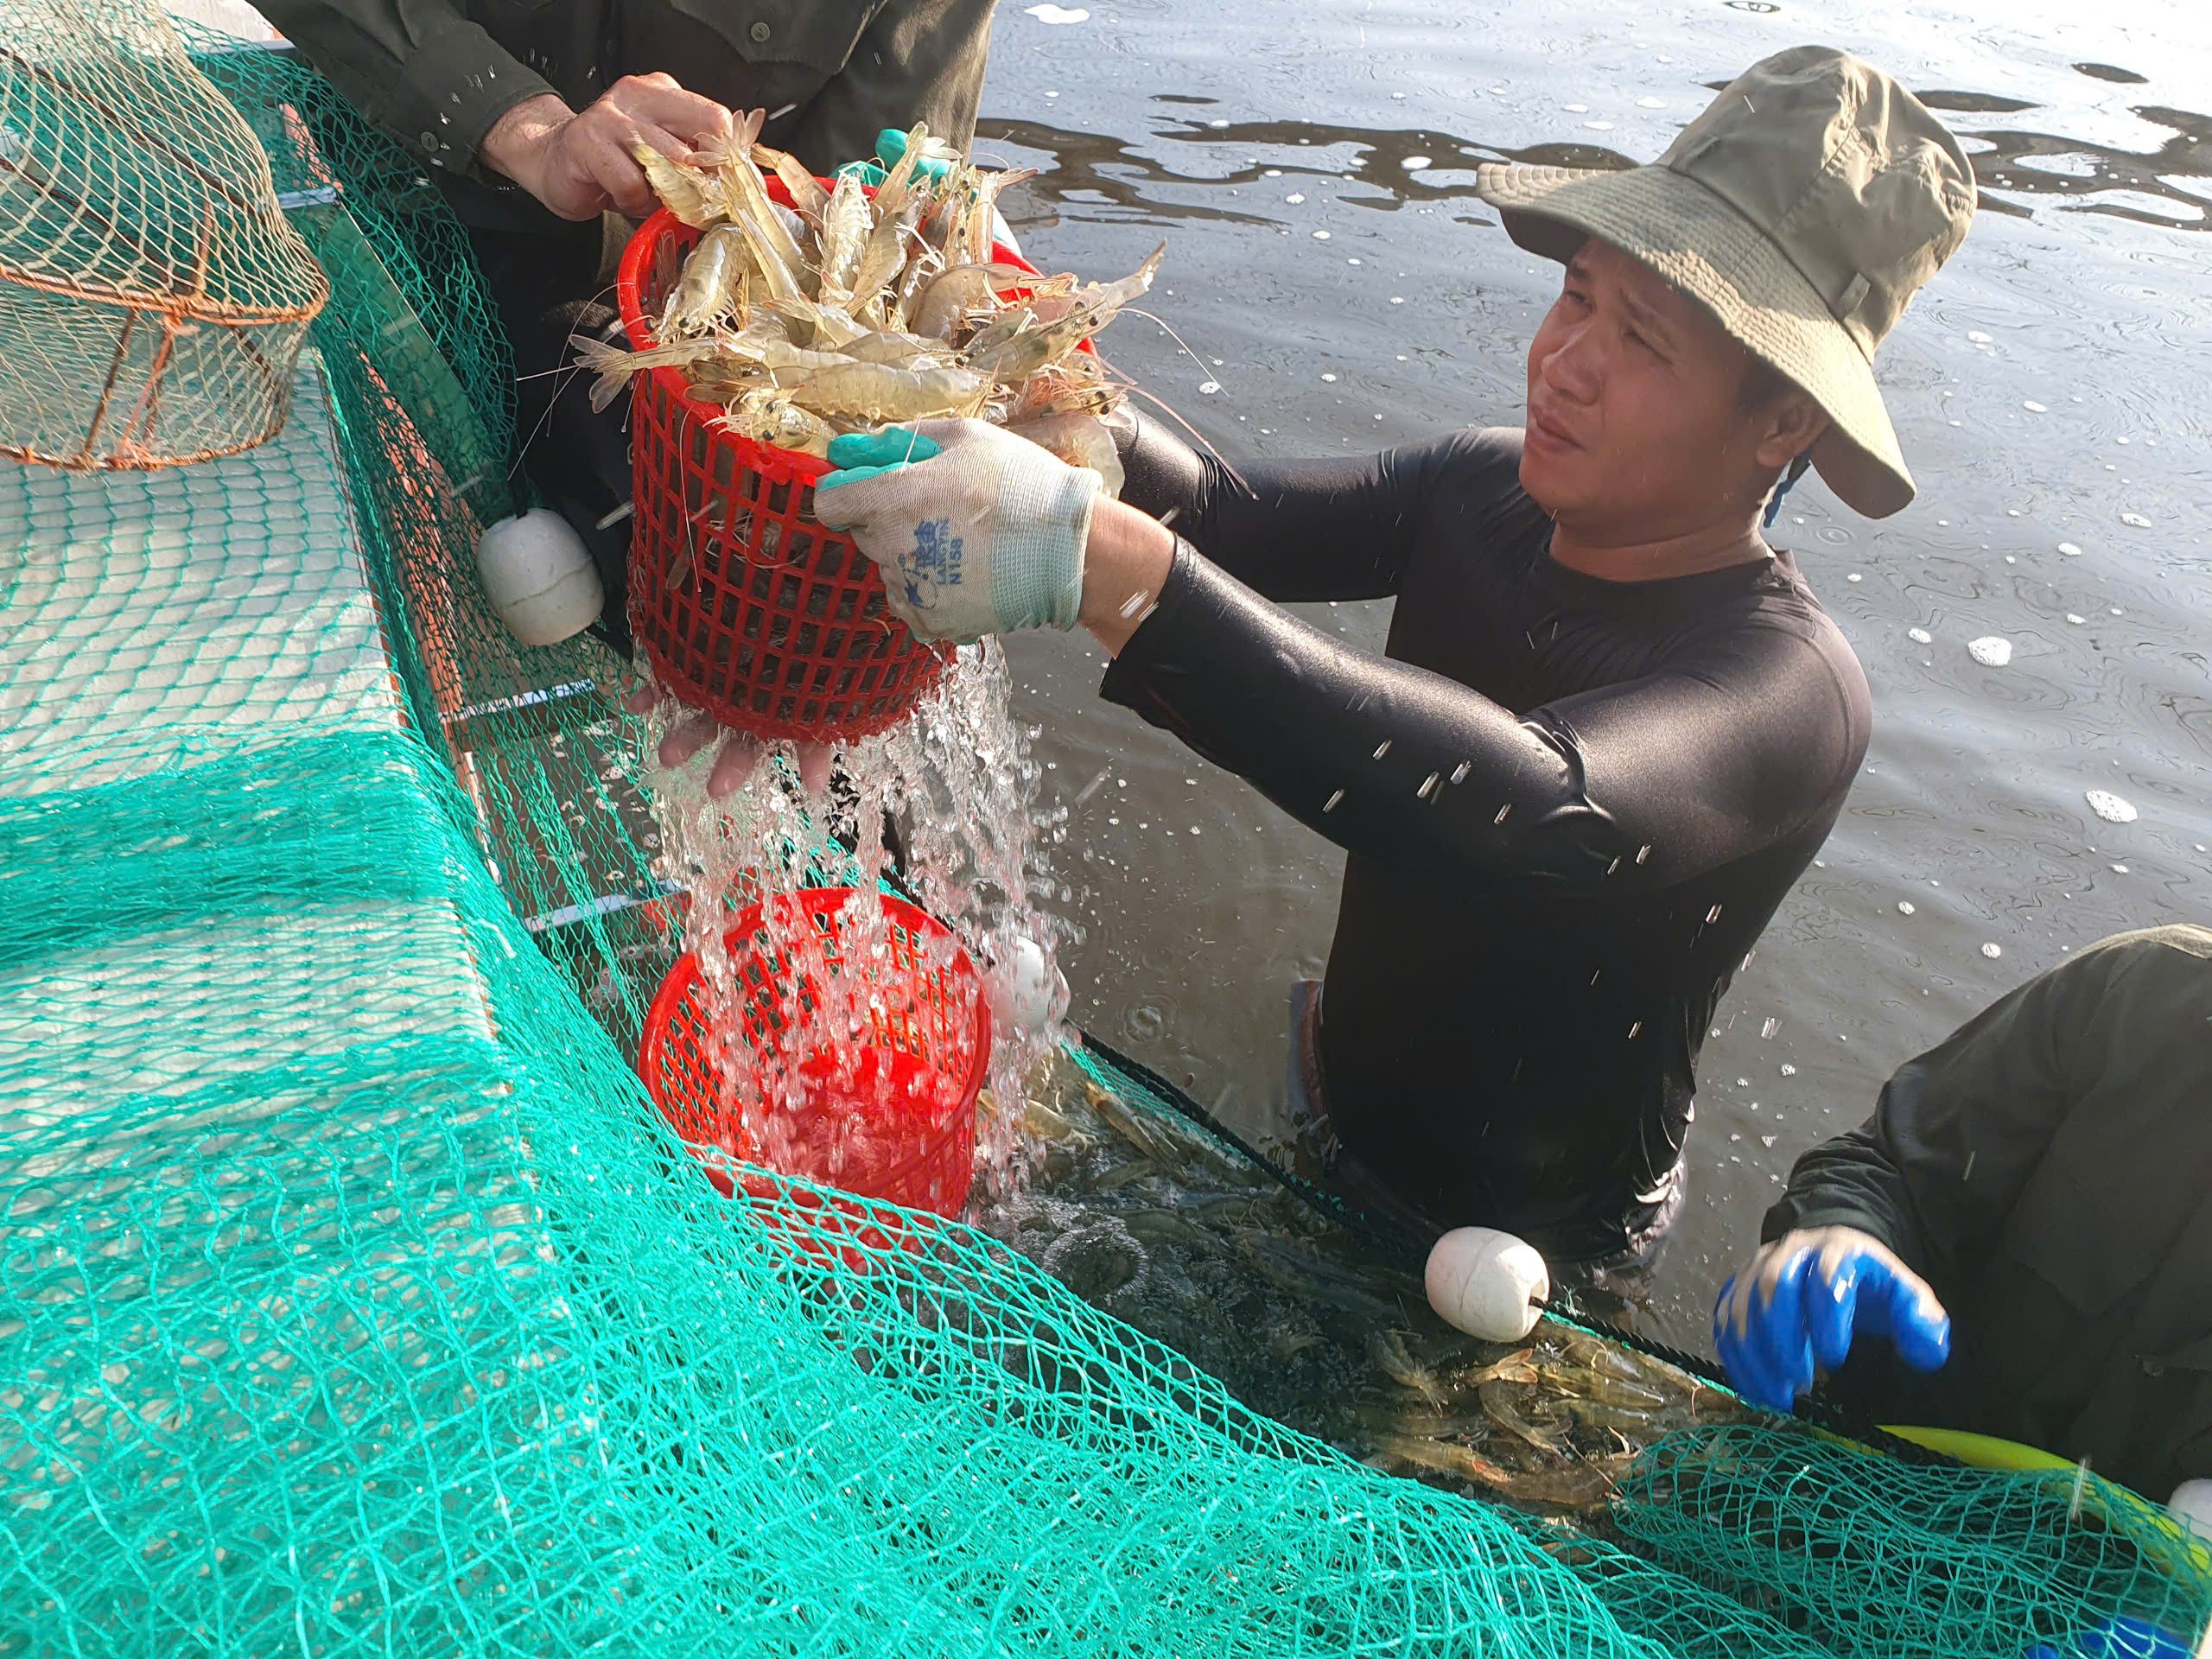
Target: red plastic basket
891	1117
747	607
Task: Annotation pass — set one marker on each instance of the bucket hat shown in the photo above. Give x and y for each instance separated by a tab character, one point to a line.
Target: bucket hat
1803	209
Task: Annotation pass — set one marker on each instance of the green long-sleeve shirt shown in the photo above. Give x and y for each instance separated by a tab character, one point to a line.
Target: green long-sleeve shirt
437	73
2047	1169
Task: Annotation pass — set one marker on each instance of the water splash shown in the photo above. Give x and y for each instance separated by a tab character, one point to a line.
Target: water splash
826	1031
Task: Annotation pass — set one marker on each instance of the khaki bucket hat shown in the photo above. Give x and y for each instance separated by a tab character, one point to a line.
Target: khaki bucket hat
1803	209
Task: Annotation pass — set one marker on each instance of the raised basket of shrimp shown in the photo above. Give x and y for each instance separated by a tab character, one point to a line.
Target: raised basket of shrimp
769	311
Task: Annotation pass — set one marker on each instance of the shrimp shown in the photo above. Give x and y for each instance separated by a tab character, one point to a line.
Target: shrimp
1004	277
807	193
981	218
832	328
1103	301
886	252
612	367
1001	328
1012	361
768	417
945	228
782	354
891	195
1499	1407
845	229
781	276
922	265
710	287
1388	1351
1445	1456
744	196
1076	384
1570	1378
694	197
904	350
950	295
1080	441
877	391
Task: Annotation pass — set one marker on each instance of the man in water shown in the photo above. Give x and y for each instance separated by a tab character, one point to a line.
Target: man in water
2035	1194
1611	726
526	115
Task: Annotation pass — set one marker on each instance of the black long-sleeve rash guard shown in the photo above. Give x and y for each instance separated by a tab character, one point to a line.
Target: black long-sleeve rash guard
1570	805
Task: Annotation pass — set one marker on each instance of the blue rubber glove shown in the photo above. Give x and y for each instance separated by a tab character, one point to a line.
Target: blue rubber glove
2119	1638
1802	1300
890	145
985	536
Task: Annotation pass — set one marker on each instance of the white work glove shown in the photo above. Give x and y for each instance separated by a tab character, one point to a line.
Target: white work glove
977	531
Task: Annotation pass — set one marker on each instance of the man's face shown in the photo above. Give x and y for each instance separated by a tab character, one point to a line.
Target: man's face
1635	431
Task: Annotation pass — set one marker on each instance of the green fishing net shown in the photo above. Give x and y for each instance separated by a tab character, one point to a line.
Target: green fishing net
1878	1559
356	1302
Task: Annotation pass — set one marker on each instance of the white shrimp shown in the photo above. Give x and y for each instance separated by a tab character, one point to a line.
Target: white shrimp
878	391
612	367
709	288
694	197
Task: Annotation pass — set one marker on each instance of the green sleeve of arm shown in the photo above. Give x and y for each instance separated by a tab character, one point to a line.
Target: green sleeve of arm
919	61
1959	1129
418	69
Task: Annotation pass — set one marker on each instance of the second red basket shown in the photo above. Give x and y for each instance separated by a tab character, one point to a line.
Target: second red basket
888	1112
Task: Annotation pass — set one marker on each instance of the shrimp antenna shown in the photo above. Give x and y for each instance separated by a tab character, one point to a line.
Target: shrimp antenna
1179	421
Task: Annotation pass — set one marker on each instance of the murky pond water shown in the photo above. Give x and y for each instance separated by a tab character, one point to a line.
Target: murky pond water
1339	287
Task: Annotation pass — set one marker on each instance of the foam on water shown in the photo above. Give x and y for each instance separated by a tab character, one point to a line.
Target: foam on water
2110	807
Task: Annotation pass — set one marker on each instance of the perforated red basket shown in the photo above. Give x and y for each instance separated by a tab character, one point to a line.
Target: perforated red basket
747	607
889	1115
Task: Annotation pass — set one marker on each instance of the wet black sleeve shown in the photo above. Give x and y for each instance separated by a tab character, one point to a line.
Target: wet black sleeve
1959	1130
1636	785
1290	530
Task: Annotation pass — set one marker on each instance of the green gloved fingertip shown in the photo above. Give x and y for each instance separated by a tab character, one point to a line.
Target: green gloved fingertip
868	173
893	446
848	475
891	147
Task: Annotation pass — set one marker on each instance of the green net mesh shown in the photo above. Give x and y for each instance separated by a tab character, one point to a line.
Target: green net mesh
1966	1562
356	1302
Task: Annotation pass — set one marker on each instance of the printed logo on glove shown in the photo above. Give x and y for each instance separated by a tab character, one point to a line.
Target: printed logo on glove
977	531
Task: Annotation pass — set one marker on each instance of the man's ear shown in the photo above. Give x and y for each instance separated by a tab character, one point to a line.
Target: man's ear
1792	424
